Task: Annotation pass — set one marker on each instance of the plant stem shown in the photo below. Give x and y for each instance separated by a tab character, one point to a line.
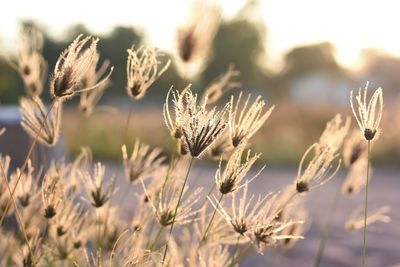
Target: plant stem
235	250
240	255
209	193
18	214
157	237
30	151
325	228
176	209
212	218
365	212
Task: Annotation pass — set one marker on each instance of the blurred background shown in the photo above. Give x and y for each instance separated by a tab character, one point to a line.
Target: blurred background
302	56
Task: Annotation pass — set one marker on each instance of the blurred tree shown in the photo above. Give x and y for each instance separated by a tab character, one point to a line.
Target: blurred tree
240	42
305	59
381	69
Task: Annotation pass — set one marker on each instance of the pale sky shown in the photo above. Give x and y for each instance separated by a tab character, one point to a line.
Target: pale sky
349	25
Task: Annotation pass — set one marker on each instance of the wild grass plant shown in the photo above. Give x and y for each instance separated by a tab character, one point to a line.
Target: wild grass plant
65	211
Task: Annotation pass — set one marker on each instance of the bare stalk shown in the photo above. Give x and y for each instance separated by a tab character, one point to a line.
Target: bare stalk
365	212
176	209
26	162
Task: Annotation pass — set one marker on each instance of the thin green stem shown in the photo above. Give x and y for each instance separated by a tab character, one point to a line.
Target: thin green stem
365	212
235	250
176	209
325	228
30	151
157	237
208	194
211	220
240	255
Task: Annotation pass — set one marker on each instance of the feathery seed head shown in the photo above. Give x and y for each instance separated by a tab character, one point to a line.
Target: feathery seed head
242	216
244	124
95	187
369	114
143	162
334	133
221	85
200	127
319	170
27	190
92	78
70	215
33	114
52	191
356	220
229	180
143	70
30	63
71	68
354	149
355	179
195	37
165	206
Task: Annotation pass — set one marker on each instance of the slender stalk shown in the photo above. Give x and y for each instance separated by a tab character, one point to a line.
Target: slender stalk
18	214
365	212
127	123
30	151
157	237
240	255
235	250
150	231
325	228
176	209
212	218
208	194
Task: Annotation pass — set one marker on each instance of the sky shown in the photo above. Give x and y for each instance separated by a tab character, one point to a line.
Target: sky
349	25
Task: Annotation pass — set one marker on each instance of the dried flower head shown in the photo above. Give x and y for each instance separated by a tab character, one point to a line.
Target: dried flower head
143	70
369	114
217	232
221	85
354	148
243	124
27	190
356	220
355	180
36	121
143	162
52	191
295	213
222	148
175	124
213	256
71	68
195	37
235	170
92	76
200	127
319	170
70	215
81	163
269	229
165	207
30	63
334	133
98	193
30	257
242	216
